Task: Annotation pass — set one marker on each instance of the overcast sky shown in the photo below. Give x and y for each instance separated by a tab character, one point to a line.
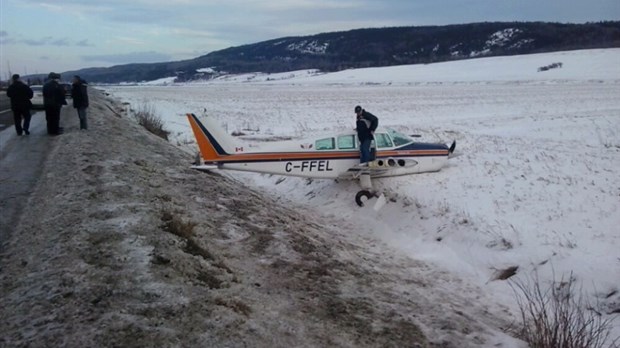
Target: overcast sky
39	36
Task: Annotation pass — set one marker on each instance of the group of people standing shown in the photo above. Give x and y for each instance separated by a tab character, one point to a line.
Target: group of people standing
54	97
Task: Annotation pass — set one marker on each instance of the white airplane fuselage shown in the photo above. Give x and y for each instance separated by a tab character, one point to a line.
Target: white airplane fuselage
326	168
326	157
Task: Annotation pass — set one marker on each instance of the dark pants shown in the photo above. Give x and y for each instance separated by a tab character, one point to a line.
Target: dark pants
52	116
82	115
17	117
365	150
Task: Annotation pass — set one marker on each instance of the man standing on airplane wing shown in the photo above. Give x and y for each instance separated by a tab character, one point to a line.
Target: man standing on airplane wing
366	125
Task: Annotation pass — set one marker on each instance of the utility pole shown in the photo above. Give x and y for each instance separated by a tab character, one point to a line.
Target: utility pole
8	64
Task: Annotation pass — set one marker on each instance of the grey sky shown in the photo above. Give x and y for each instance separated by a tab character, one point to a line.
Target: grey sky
45	35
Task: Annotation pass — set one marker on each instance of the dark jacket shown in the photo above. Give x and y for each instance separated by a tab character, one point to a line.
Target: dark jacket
20	95
363	132
53	95
374	121
79	95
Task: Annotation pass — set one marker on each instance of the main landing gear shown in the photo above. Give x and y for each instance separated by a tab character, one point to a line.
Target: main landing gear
368	192
363	196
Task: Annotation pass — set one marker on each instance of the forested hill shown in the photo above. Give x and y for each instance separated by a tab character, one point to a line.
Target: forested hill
374	47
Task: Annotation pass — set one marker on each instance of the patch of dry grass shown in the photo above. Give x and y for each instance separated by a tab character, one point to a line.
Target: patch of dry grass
235	305
175	225
559	316
148	119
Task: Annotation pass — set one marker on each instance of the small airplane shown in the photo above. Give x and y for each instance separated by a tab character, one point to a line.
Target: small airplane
333	156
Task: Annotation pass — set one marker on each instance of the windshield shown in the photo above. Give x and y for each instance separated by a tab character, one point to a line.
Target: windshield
399	138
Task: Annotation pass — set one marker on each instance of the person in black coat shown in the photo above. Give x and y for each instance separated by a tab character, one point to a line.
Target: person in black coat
366	125
80	100
20	95
53	100
365	138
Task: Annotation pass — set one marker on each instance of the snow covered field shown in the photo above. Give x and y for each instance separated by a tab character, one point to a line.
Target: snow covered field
536	186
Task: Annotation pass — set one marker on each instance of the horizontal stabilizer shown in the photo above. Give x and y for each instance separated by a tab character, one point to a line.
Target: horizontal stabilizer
205	167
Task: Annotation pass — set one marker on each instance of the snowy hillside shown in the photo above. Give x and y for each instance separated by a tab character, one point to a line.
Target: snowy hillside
536	186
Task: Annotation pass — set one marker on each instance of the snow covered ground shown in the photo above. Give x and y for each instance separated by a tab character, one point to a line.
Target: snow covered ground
536	186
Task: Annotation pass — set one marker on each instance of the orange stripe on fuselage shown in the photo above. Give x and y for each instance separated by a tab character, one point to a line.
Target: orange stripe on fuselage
287	156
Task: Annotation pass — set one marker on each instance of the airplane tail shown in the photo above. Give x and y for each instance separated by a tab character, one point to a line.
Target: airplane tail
213	142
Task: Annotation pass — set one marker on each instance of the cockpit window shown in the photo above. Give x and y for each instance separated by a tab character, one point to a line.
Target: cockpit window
399	138
382	140
325	144
346	142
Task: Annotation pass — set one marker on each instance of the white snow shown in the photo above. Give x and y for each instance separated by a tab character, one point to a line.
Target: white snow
162	81
311	47
500	38
536	186
209	70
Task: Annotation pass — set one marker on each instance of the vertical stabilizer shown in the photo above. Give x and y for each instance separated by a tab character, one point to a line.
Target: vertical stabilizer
213	142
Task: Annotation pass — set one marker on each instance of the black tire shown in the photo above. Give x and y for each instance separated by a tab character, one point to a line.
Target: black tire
360	194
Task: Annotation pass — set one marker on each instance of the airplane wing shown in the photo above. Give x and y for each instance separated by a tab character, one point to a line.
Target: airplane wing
377	167
356	171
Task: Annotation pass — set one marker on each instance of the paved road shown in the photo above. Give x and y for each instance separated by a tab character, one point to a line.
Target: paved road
4	101
6	116
21	163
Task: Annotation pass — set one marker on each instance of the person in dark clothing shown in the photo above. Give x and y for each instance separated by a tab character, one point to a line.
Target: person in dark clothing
365	138
20	95
366	125
80	100
53	100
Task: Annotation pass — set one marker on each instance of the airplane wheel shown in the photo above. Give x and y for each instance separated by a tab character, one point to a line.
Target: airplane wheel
360	194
